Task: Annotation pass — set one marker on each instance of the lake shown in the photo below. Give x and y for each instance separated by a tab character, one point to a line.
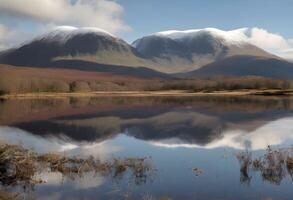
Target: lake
196	146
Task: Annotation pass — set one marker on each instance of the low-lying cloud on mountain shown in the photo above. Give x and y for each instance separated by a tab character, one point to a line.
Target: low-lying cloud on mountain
272	42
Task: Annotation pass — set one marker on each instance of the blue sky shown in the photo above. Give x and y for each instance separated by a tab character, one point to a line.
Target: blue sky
269	20
148	16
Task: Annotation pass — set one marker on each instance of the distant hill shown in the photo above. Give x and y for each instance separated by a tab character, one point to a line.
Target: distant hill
245	66
182	51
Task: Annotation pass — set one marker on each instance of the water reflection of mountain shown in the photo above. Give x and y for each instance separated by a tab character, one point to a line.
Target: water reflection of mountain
26	110
161	120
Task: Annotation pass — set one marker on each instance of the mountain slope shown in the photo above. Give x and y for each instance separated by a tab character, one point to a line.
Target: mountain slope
245	66
142	72
191	49
70	43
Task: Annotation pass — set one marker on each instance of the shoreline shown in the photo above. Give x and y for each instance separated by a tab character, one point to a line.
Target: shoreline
175	93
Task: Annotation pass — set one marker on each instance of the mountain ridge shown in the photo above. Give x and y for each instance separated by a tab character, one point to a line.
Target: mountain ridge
167	52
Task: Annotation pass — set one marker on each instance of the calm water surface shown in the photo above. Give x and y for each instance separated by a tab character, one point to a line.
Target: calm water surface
176	134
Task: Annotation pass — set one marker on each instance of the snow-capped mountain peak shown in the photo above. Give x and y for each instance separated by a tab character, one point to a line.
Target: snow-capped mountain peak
236	37
64	33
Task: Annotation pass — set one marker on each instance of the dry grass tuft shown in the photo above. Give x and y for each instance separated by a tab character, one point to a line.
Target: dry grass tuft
20	166
4	195
16	164
150	197
274	165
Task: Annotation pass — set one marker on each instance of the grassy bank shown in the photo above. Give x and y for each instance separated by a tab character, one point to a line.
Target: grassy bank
178	93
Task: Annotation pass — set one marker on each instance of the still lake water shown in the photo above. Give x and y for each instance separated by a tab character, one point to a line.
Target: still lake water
176	134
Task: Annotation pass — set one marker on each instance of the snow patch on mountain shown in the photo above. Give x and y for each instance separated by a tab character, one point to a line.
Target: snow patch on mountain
233	37
64	33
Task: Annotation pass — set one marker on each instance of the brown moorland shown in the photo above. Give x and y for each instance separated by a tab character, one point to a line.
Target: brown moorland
25	80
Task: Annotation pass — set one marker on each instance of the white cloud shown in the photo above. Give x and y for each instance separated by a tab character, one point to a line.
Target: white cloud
101	150
271	42
267	40
5	36
287	54
105	14
10	38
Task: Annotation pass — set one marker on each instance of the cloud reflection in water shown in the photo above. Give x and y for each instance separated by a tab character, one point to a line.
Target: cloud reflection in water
273	133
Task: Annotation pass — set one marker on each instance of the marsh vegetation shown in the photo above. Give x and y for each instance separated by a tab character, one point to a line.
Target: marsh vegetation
21	167
273	166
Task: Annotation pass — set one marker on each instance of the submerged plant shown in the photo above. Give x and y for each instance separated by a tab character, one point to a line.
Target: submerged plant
273	166
4	195
197	171
19	166
245	161
150	197
16	165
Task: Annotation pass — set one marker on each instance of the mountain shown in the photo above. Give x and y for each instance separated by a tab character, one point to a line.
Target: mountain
89	49
179	51
168	52
245	66
70	43
190	53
